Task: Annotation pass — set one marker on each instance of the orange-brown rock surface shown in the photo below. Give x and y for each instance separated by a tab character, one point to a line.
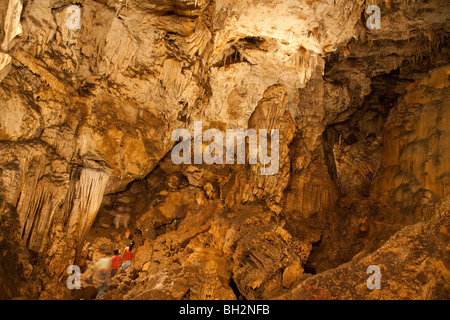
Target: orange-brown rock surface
88	108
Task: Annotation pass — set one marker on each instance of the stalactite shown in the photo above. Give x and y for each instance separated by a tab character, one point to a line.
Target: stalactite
109	95
38	207
85	195
199	40
307	63
12	25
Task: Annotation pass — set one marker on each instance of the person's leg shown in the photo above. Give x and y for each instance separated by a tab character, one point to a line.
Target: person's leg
102	289
104	284
126	264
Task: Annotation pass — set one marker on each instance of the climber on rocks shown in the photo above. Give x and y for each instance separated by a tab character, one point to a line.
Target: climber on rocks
115	260
103	270
122	217
128	255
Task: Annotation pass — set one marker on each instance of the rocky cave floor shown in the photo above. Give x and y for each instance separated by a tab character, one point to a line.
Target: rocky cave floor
86	123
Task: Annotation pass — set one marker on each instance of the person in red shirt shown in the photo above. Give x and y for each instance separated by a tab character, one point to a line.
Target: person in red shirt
127	256
115	263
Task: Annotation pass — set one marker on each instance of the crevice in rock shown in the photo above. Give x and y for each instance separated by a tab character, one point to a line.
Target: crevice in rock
237	293
232	56
329	138
187	295
255	41
310	264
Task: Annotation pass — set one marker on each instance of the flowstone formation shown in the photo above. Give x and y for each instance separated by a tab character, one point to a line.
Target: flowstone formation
92	91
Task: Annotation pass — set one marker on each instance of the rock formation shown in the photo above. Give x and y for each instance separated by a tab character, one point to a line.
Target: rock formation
91	93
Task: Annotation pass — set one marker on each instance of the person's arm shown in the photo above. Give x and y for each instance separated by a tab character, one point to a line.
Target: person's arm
123	254
111	264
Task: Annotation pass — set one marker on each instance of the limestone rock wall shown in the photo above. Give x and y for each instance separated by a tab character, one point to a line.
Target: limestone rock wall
87	111
414	168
